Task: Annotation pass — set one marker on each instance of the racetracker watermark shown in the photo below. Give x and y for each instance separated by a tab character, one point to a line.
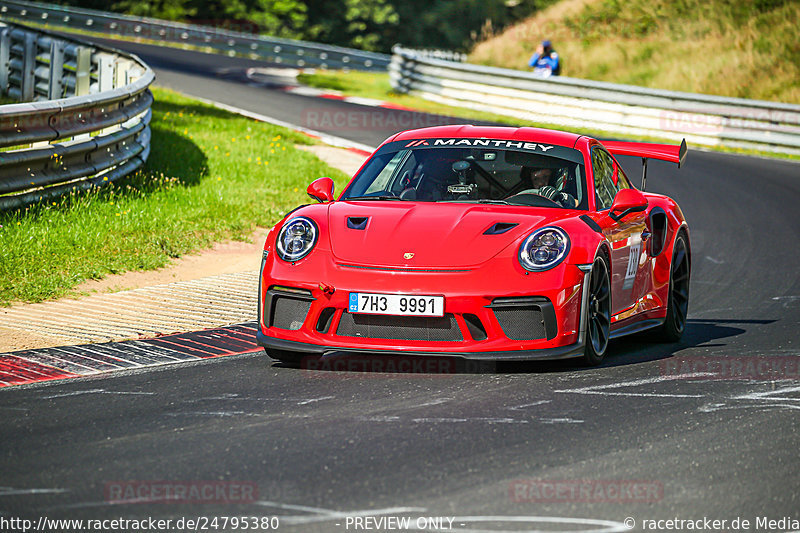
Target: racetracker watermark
370	119
707	523
379	365
138	525
753	368
215	492
717	119
585	491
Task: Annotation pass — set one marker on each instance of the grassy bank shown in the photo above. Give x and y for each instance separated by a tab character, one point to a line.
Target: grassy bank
211	175
721	47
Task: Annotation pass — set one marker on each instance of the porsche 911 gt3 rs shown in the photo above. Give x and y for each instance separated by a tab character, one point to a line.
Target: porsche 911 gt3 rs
479	243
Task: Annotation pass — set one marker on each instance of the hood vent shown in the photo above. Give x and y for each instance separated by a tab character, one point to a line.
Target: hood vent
357	222
499	228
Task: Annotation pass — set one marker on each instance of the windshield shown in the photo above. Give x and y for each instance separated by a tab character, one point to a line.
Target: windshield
501	172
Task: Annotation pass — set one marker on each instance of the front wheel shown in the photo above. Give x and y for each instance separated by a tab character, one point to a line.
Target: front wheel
598	314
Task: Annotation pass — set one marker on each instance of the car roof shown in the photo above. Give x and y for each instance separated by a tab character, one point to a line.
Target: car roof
469	131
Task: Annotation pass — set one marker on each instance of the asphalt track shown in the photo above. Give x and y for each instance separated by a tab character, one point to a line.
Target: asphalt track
483	448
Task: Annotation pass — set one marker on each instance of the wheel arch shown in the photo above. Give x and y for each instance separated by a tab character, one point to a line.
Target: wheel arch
587	240
684	230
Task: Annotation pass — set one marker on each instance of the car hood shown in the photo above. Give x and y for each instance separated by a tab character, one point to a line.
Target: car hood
439	235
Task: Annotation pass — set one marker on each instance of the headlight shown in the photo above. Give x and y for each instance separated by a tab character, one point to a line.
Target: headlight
296	239
544	249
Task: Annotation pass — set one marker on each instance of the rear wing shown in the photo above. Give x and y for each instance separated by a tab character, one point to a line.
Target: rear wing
664	152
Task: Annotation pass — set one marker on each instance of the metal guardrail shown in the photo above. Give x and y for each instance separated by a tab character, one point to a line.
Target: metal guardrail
84	117
622	109
283	51
444	55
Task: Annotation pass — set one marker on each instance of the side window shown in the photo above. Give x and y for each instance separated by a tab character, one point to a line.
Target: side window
381	182
622	180
603	169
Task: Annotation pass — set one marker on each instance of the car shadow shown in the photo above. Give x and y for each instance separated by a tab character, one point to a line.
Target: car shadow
174	160
639	348
625	351
173	155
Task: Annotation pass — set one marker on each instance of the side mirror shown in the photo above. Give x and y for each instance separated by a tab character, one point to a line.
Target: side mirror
627	201
321	190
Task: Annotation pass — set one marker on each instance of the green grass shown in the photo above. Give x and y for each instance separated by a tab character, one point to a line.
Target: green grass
721	47
211	175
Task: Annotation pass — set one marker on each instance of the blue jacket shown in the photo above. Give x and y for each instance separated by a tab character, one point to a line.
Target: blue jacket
548	62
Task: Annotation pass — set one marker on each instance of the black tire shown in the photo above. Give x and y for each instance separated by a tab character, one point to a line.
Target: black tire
598	313
678	300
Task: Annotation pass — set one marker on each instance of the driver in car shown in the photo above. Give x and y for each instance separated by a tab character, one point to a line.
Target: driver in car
541	179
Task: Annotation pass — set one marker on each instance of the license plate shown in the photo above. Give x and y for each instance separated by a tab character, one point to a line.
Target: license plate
396	304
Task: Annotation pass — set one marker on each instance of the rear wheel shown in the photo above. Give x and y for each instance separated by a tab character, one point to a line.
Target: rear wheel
598	313
678	300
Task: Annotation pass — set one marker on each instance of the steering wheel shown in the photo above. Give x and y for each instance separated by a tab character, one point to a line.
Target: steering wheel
531	199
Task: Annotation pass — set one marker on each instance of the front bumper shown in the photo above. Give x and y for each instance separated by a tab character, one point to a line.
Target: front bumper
315	350
511	316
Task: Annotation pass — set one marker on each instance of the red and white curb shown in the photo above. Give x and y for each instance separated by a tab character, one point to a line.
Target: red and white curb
64	362
32	366
146	312
332	95
286	80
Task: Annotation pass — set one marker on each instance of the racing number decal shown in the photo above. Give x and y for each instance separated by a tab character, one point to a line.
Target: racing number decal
633	264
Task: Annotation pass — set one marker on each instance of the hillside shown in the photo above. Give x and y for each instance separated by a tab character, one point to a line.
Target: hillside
725	47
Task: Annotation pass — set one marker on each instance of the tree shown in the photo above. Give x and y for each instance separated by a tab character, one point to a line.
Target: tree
161	9
367	21
366	24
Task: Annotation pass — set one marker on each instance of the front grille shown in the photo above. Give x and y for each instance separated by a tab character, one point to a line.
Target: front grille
409	328
526	318
325	319
289	313
475	327
521	323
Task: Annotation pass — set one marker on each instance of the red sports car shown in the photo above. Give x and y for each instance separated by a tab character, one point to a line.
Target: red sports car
479	243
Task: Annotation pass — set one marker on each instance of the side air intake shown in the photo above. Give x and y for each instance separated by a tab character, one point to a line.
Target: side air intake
499	228
357	222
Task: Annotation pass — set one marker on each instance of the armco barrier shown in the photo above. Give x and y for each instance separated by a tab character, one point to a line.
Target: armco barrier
284	51
83	119
622	109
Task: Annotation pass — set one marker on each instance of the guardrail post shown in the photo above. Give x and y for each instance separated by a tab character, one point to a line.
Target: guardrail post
56	86
83	70
108	133
28	75
133	73
5	58
396	67
121	72
105	72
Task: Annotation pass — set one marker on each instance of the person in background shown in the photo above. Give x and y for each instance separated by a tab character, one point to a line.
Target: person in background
545	62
